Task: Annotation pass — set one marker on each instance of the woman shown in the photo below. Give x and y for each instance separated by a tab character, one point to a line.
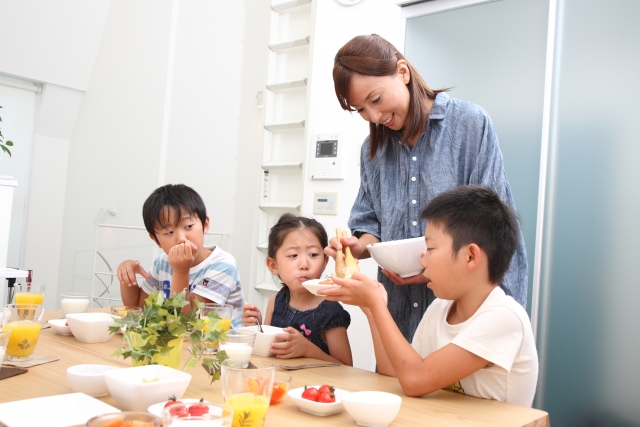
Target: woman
421	143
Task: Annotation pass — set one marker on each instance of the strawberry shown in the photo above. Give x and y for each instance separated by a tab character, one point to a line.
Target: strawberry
198	409
310	393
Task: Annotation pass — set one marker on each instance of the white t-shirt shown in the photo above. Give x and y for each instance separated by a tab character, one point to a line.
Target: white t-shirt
500	332
216	278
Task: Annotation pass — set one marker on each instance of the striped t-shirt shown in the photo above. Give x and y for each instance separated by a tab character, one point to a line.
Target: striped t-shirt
216	279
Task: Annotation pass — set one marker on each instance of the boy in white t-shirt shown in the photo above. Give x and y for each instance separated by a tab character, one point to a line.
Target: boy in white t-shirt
473	338
176	218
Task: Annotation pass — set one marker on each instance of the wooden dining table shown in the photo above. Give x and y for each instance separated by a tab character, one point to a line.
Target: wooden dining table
441	408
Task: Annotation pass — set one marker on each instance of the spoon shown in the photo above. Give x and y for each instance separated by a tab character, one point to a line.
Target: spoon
259	325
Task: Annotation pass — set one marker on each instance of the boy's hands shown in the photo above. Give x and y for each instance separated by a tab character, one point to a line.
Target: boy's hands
182	255
296	345
127	271
360	290
249	314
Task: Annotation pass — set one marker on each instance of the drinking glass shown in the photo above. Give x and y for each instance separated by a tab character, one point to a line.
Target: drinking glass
24	322
74	303
238	344
247	390
4	340
29	293
197	414
217	317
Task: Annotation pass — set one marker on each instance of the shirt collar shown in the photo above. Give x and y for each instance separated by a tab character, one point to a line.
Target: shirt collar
439	107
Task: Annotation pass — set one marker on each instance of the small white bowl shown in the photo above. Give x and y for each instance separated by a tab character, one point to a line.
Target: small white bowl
314	286
137	388
318	408
400	256
90	327
372	408
158	408
60	326
89	379
262	344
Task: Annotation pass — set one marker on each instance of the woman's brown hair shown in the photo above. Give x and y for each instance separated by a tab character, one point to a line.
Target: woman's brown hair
374	56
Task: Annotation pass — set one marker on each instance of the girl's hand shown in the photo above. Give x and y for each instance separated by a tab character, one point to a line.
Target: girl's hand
249	315
418	279
296	345
182	255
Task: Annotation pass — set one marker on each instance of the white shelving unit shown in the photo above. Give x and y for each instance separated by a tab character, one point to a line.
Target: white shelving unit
284	117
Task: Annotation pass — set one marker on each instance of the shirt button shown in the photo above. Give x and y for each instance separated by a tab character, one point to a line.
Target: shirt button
415	304
413	178
414	158
414	201
415	223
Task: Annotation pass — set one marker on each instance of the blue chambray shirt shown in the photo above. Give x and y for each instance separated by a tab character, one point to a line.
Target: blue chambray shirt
459	146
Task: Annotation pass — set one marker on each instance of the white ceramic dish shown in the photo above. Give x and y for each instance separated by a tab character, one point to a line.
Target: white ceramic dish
318	408
314	285
157	408
63	410
89	379
400	256
127	388
60	326
262	344
90	327
372	408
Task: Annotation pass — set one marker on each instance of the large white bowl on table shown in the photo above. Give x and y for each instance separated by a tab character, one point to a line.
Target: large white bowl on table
262	344
372	408
400	256
318	408
89	379
137	388
90	327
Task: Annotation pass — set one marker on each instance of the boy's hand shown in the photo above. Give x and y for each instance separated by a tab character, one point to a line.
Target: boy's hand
360	290
249	315
296	345
182	255
127	271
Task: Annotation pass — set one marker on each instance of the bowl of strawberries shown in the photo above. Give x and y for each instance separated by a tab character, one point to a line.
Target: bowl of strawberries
187	412
321	400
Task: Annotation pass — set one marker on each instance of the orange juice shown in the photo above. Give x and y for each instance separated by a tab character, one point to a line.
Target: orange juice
23	338
29	298
248	409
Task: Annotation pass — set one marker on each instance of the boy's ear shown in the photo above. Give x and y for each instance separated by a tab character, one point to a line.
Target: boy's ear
155	240
272	266
205	229
474	256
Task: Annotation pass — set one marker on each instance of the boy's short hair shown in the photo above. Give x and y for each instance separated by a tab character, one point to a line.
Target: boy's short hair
171	198
475	214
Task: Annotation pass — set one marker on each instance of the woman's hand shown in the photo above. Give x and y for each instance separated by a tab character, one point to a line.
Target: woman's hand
412	280
358	246
249	315
296	345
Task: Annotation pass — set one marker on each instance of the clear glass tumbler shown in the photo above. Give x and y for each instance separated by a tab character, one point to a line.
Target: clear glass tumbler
247	388
24	322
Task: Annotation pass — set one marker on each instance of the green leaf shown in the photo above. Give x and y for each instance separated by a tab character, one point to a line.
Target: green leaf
9	143
5	149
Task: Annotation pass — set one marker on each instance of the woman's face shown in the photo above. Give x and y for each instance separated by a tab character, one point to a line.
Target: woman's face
382	99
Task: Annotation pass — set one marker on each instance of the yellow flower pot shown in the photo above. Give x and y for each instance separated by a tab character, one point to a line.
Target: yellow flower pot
171	360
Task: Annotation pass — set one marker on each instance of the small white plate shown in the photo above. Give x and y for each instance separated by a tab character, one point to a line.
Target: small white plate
317	408
314	286
159	407
60	326
53	411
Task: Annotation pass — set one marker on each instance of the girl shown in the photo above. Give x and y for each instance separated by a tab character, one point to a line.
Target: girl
315	328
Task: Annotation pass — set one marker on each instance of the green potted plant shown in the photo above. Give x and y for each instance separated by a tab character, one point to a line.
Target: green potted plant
156	336
3	144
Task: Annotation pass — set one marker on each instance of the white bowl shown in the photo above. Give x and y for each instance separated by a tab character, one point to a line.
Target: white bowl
372	408
60	326
262	344
137	388
318	408
89	379
158	408
90	327
314	286
400	256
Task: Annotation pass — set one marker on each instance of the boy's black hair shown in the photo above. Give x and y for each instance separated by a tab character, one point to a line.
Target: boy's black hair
171	198
475	214
289	222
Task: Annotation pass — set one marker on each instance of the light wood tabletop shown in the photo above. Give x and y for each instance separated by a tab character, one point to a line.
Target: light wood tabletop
442	408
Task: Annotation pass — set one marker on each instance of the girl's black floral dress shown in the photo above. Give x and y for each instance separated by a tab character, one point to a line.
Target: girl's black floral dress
311	323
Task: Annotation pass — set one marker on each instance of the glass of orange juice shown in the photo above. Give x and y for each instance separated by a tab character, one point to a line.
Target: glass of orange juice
29	293
247	390
217	319
23	320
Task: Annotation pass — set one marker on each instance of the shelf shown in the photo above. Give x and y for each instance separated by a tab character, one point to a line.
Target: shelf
282	166
289	4
289	44
274	127
273	206
267	289
293	84
264	246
